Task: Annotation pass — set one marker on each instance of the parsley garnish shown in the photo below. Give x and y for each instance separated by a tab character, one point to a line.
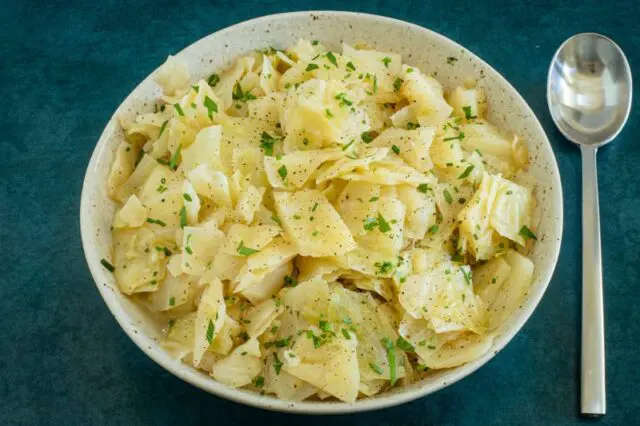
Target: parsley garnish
210	331
447	196
183	217
211	106
277	364
156	221
402	344
342	97
172	301
527	234
315	42
396	149
386	60
460	136
173	162
397	84
282	171
239	95
391	356
345	147
213	80
266	143
350	66
466	172
312	67
376	368
467	113
259	382
245	251
164	126
433	229
383	225
290	281
107	265
367	137
383	267
332	58
423	187
328	113
178	109
346	334
411	126
187	197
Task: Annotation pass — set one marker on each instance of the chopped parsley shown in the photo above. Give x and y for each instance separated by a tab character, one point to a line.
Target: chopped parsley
466	172
383	267
172	301
346	334
164	126
266	143
453	138
328	113
213	80
259	382
211	106
396	149
433	229
386	60
187	197
467	113
375	367
239	95
277	364
412	126
397	84
178	109
383	225
211	329
315	42
332	58
447	196
345	147
108	266
350	66
527	234
183	217
402	344
282	171
290	281
312	67
173	162
342	97
195	88
156	221
423	187
245	251
391	357
367	137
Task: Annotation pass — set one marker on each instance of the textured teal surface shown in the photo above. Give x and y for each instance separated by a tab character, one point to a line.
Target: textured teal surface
66	66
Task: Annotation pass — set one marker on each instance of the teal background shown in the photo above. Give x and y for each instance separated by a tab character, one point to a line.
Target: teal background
66	66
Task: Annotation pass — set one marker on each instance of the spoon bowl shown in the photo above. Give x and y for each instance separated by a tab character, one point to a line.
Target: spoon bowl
589	89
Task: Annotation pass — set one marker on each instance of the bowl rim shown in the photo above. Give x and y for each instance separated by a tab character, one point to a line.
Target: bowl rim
150	347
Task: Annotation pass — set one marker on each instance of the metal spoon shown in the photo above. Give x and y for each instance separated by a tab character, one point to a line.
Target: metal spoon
589	95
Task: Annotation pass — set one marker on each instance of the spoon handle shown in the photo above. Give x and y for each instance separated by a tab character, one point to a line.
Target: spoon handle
593	364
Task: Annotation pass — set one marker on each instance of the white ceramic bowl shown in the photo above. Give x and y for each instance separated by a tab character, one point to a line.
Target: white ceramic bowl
419	47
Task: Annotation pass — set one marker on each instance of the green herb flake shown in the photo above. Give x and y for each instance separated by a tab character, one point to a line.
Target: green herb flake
447	196
183	217
156	221
282	171
350	66
213	80
108	266
259	382
412	126
527	234
376	368
342	97
311	67
346	334
178	109
396	149
211	106
373	199
345	147
433	229
172	301
195	88
328	113
423	187
367	137
315	42
466	172
402	344
245	251
164	126
397	84
383	225
453	138
187	197
277	364
173	162
290	281
467	113
211	329
239	95
266	143
332	58
409	70
386	61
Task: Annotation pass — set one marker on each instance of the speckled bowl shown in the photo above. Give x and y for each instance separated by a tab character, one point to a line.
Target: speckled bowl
419	47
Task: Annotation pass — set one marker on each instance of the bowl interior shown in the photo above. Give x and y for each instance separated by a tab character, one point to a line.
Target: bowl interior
419	47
